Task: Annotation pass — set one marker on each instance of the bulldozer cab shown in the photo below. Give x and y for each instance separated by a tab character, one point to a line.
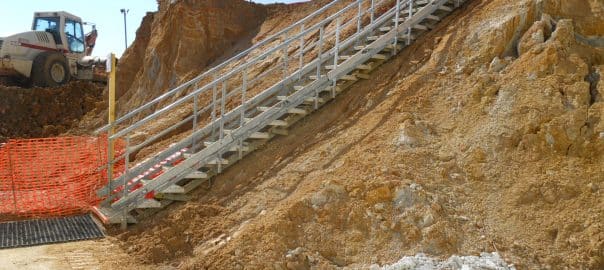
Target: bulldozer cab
66	29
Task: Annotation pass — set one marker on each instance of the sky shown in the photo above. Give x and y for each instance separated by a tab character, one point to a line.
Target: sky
17	17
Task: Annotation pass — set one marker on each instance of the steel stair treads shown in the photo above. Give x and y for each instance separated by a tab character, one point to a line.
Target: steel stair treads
235	131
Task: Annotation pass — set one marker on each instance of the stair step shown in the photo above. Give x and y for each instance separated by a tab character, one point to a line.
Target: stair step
360	67
216	161
174	189
255	135
373	38
445	8
275	123
360	48
401	19
405	11
349	78
290	111
386	28
197	175
234	148
298	87
174	197
314	77
433	17
403	36
306	100
150	203
193	175
363	76
420	27
108	215
311	100
388	47
329	88
416	27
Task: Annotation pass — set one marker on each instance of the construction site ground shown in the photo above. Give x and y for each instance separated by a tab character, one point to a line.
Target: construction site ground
485	135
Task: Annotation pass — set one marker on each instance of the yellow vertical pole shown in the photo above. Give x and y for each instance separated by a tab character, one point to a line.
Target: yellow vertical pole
112	92
111	111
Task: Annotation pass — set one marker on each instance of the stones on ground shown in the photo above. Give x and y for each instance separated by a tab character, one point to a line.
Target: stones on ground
486	261
413	133
497	65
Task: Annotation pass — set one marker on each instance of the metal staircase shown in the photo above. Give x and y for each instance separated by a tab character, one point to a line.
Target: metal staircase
242	103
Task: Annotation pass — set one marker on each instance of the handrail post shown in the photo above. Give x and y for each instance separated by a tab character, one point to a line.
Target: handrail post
243	109
110	165
222	109
320	51
124	221
336	53
222	113
301	60
397	16
372	11
359	15
194	142
214	96
409	29
285	61
243	97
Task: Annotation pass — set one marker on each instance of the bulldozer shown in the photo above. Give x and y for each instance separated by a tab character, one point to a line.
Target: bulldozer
55	51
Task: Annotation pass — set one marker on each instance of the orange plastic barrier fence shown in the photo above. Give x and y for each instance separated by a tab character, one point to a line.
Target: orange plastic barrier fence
51	177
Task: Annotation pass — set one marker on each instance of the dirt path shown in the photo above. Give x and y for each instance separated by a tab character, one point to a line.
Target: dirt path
96	254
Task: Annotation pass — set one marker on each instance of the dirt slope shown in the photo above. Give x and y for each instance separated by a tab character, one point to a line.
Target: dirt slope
45	112
179	41
486	135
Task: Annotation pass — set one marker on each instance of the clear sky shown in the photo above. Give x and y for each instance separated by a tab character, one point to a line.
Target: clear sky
17	17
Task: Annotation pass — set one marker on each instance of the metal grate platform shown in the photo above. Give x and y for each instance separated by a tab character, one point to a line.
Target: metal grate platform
47	231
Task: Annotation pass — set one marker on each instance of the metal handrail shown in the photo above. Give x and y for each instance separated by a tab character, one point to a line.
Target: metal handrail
228	116
214	69
230	73
231	115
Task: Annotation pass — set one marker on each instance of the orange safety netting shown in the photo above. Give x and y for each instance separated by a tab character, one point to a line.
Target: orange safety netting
51	177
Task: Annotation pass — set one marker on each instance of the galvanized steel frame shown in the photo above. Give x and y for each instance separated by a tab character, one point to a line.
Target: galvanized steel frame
128	201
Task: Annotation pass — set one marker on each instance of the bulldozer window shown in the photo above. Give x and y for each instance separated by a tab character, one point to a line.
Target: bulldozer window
75	36
46	24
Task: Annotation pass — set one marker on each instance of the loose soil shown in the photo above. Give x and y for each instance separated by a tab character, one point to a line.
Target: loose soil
485	135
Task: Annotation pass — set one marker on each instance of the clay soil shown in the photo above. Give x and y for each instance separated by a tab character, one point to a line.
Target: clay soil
485	135
47	112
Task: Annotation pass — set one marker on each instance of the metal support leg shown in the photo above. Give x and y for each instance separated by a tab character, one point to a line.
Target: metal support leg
372	11
110	165
124	220
243	109
214	96
194	143
301	60
221	132
397	16
285	61
336	53
359	18
409	29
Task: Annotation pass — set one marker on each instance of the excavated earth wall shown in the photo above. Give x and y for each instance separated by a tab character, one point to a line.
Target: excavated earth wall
47	112
486	135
